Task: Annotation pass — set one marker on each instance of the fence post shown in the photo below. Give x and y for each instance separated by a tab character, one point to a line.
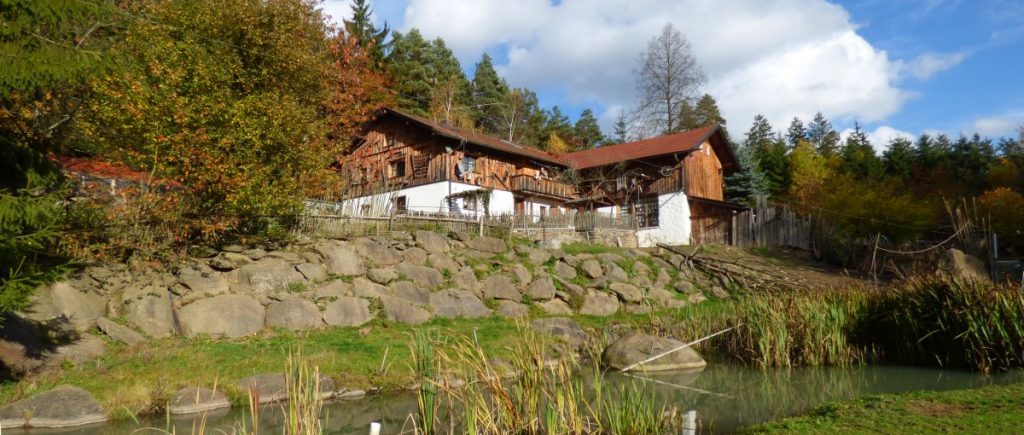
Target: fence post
690	423
481	219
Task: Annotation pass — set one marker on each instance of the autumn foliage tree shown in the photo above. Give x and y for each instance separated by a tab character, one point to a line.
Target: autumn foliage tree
245	104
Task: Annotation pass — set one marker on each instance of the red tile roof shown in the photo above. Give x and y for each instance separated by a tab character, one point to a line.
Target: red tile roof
682	142
97	168
479	139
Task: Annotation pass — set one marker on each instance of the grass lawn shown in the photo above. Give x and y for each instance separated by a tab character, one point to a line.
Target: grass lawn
138	380
988	410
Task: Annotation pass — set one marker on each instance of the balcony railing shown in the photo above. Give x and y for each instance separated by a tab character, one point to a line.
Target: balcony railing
540	186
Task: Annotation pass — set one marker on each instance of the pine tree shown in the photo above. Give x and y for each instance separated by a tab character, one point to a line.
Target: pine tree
688	117
821	134
558	123
796	132
44	55
489	92
410	66
361	27
587	130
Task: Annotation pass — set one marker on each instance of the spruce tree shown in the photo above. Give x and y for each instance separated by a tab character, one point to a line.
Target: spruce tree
621	131
410	67
796	132
821	134
898	158
768	154
366	33
858	157
46	52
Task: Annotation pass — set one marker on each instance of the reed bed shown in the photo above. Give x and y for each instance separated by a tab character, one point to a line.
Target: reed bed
926	321
529	394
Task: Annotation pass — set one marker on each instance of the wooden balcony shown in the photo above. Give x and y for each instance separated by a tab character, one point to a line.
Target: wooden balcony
529	185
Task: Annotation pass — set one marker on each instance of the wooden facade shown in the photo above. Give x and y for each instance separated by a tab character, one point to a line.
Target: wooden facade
400	151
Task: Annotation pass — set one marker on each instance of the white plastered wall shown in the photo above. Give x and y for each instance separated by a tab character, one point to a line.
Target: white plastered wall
427	198
673	222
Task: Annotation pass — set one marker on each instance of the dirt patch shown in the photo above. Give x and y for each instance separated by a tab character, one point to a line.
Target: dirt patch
929	408
780	268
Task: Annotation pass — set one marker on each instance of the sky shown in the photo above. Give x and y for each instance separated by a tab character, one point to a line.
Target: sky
896	67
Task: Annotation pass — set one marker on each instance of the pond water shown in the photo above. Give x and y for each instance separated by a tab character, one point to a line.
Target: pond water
726	397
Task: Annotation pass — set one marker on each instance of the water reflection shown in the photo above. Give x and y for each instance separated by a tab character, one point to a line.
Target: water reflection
725	397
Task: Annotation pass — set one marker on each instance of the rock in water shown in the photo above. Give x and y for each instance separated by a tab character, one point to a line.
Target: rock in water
634	348
191	400
272	387
63	406
960	265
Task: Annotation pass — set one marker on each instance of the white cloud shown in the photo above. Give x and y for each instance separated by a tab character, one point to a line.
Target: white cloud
880	137
928	64
780	58
996	126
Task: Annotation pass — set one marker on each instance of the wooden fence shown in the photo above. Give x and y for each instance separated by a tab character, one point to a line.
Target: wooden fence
772	225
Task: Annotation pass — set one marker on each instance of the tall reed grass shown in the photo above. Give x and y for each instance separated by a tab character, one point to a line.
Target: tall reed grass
530	394
930	321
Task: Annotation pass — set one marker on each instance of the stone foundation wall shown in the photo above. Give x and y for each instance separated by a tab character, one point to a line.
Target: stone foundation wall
607	237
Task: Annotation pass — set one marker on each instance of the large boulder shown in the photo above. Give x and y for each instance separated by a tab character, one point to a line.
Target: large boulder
63	406
465	279
958	264
268	275
365	288
627	292
487	244
118	332
61	299
229	261
229	316
500	287
443	262
421	275
597	303
272	387
635	348
512	309
592	268
312	271
382	275
347	311
203	282
562	329
340	258
565	271
522	274
401	310
415	256
537	256
375	253
541	289
191	400
152	315
332	290
411	292
556	307
294	314
432	242
457	303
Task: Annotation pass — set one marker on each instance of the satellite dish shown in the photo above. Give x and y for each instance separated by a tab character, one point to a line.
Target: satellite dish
665	171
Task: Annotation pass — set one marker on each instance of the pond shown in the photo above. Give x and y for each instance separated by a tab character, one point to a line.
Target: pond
726	397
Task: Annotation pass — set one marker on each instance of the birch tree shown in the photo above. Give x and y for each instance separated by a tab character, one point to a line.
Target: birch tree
668	76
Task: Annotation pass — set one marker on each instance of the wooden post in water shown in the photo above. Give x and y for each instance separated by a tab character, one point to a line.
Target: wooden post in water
690	423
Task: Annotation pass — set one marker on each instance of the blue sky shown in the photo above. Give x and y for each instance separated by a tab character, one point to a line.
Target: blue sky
898	67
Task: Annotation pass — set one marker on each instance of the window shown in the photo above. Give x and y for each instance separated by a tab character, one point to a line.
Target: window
366	209
645	210
400	205
396	168
469	164
469	203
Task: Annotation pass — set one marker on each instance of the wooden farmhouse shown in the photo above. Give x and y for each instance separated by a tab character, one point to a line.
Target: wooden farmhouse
671	187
